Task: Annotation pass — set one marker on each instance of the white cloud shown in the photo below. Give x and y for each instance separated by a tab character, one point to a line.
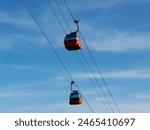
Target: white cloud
11	41
12	87
16	66
15	20
141	95
31	90
95	4
129	74
117	41
123	74
30	94
134	107
11	94
20	86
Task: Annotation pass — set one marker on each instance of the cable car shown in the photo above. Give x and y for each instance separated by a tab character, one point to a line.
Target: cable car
72	41
75	97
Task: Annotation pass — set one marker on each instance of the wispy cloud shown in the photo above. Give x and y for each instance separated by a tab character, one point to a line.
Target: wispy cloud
134	107
117	41
95	4
17	66
6	18
12	86
53	94
129	74
29	37
32	89
11	94
141	95
9	41
33	85
13	41
123	74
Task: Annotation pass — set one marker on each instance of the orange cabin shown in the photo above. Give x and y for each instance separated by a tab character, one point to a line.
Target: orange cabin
75	98
72	41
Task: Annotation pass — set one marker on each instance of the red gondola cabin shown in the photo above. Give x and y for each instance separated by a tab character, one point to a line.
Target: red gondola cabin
72	41
75	98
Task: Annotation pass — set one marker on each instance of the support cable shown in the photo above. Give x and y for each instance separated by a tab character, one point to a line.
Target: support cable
63	15
69	9
100	73
97	81
56	16
92	82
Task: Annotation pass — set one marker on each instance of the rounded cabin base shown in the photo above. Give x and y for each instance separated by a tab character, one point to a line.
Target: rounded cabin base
77	101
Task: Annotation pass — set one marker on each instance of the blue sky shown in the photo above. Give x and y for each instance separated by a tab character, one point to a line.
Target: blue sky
32	78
